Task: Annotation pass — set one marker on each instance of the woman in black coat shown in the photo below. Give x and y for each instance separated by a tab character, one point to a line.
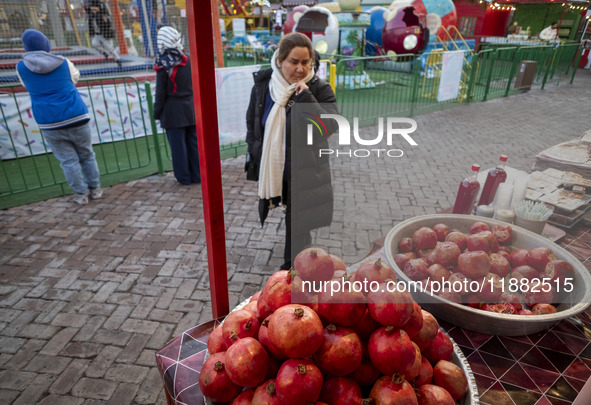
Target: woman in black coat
174	105
290	172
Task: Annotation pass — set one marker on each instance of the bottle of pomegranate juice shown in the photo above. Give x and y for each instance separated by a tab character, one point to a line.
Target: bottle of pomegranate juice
467	193
495	177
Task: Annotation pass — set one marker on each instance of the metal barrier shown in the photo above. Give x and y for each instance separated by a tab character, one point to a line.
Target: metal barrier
130	147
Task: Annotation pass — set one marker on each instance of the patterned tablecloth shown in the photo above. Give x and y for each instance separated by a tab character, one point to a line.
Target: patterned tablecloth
550	367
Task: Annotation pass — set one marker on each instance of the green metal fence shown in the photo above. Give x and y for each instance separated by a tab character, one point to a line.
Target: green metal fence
366	88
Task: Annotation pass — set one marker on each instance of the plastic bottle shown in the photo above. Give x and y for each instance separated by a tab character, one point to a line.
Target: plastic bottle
467	193
495	177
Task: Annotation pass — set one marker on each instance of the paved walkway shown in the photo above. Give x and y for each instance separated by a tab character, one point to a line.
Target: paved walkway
88	294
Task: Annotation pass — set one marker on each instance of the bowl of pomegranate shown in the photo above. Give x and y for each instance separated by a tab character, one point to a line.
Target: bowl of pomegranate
487	275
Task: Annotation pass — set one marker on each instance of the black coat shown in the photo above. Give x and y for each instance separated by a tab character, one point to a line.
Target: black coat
102	19
311	201
175	110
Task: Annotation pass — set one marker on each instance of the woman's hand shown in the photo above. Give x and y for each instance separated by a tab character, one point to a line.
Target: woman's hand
300	86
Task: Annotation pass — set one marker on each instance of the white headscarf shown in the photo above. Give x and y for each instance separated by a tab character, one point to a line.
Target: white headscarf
169	38
273	155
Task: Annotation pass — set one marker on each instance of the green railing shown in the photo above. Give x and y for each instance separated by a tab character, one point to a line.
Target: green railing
366	88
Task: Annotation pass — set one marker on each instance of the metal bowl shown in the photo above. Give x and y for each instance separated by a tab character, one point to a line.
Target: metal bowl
485	321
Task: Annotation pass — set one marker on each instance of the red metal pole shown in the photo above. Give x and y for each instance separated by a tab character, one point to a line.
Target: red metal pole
215	18
116	17
200	30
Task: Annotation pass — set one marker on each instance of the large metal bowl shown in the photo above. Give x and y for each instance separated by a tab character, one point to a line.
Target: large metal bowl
485	321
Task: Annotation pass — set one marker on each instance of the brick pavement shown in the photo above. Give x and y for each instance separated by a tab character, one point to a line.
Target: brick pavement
88	294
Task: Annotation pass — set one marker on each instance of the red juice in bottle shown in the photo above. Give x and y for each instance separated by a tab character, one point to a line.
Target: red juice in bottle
467	193
495	177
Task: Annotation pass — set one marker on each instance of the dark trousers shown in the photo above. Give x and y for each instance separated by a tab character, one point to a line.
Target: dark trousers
294	242
185	154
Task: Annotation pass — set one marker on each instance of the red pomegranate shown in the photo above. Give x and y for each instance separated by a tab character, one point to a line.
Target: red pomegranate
366	374
484	241
299	381
214	380
339	264
424	238
344	308
458	238
367	325
406	245
524	271
340	391
391	351
374	270
340	353
559	271
425	373
244	398
247	362
539	257
510	298
450	377
490	287
519	257
440	349
447	253
438	273
296	330
392	391
416	269
535	293
256	296
277	293
266	394
240	324
314	264
390	308
478	227
442	231
499	265
428	332
266	342
430	394
414	370
474	264
215	342
401	259
543	309
503	233
414	325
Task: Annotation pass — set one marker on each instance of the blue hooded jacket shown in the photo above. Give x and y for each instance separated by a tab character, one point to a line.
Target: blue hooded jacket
56	101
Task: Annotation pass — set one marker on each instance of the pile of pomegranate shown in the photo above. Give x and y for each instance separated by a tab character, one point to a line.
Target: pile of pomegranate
293	347
494	276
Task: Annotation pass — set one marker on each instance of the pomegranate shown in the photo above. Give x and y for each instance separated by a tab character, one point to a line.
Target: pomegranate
536	293
430	394
424	238
244	398
390	308
344	308
276	293
391	351
459	282
314	264
340	391
298	382
215	342
256	296
266	394
393	391
410	255
477	227
266	342
458	238
474	264
214	380
447	293
274	365
366	374
340	353
542	309
425	373
447	253
510	298
519	257
406	245
428	332
503	233
414	370
414	325
539	257
484	241
367	325
374	270
428	255
296	330
500	308
440	349
441	230
240	324
438	273
252	307
339	263
450	377
490	288
525	312
560	270
401	259
505	254
416	269
499	265
247	362
524	271
472	301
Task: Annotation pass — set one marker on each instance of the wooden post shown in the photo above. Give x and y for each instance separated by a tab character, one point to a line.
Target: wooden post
199	26
215	18
116	18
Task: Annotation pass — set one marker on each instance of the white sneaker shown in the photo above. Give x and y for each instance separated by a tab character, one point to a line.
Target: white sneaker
81	199
96	193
